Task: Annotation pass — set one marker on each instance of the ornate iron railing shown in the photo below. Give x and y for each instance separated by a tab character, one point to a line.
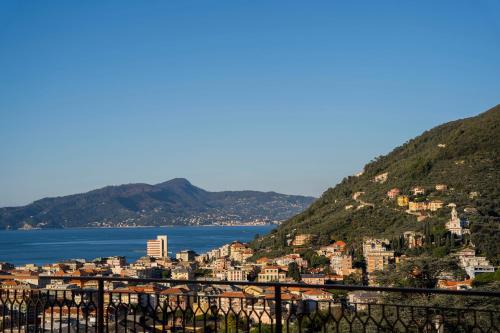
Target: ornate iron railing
216	306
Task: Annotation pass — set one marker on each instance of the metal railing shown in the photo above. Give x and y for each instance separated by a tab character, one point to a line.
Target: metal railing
224	306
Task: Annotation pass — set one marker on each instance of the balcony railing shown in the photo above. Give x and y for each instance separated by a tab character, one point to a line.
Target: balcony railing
217	306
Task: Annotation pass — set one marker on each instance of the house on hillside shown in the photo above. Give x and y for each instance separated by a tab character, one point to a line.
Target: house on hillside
313	278
413	239
382	178
418	190
455	285
441	187
377	254
435	205
302	239
417	206
393	193
271	274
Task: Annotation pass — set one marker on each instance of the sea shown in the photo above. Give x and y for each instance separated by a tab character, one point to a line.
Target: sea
54	245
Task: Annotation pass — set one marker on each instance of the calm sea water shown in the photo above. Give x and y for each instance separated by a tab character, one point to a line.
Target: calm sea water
47	246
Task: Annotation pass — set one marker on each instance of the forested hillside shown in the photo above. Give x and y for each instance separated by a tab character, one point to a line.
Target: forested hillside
464	155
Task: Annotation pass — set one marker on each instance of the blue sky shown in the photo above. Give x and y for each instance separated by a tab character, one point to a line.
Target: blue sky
289	96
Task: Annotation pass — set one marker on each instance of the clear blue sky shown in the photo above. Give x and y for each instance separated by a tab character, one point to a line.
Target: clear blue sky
289	96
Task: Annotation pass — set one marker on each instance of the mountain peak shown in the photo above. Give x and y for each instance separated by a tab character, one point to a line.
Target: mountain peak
175	182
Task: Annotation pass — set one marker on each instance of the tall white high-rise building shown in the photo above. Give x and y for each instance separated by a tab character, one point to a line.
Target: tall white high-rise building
158	248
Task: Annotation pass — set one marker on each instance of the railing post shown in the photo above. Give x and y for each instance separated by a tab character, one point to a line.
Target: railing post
278	309
100	306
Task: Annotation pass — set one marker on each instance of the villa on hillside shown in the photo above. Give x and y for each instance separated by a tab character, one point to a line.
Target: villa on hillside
441	187
382	178
302	239
393	193
418	190
377	254
435	205
413	239
472	264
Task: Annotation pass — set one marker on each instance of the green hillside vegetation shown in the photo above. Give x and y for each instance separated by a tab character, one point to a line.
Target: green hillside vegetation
463	154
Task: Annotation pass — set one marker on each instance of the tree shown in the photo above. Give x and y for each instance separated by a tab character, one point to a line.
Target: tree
354	279
294	271
166	274
419	272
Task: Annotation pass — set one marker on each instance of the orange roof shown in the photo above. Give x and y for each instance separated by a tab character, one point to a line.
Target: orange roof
299	289
284	296
136	289
449	283
340	243
238	294
173	291
272	267
10	283
316	292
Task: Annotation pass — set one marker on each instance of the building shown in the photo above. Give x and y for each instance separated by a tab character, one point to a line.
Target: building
456	225
403	200
441	187
240	252
474	266
361	299
417	206
313	278
271	274
185	255
382	178
413	239
418	190
341	264
234	274
292	257
158	248
182	273
377	254
455	285
473	195
393	193
302	239
434	205
116	261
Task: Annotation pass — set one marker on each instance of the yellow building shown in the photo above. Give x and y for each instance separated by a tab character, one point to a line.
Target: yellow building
271	274
416	206
302	239
403	200
435	205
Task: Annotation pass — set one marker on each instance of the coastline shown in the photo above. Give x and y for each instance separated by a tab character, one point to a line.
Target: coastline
146	226
53	245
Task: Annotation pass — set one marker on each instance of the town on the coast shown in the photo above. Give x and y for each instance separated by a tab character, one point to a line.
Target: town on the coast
237	262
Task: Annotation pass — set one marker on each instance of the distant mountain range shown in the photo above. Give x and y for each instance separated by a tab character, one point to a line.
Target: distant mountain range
175	202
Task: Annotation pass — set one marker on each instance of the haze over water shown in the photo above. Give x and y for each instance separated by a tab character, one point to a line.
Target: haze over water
47	246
